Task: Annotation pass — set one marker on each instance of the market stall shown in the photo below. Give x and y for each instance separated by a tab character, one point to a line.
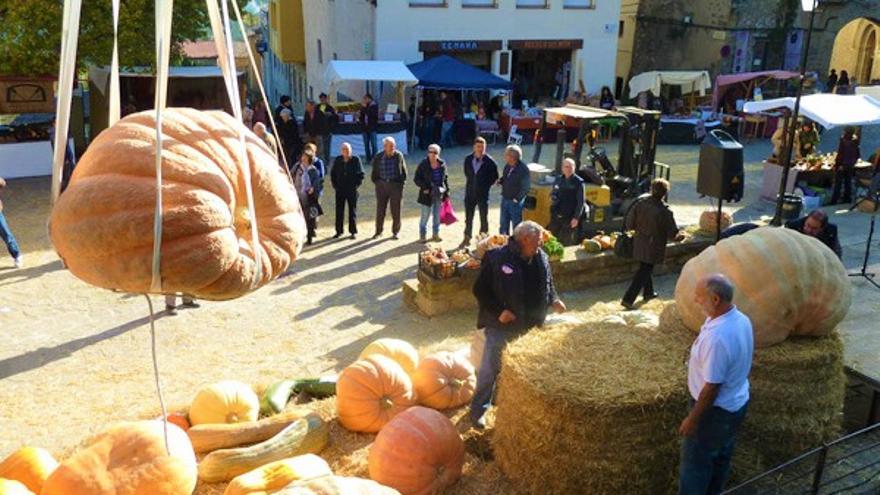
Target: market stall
683	125
448	73
813	173
744	85
348	129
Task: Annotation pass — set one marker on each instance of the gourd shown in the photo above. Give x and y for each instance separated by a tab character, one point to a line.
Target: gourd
208	437
307	435
276	396
30	466
786	282
399	351
372	391
128	458
102	226
591	246
336	485
709	221
224	402
276	475
419	452
13	487
444	380
179	419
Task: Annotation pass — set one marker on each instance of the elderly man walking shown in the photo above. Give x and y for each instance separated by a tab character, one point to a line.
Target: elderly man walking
389	176
515	185
514	290
718	381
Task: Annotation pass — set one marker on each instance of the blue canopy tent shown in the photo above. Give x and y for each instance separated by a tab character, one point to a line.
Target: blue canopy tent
450	73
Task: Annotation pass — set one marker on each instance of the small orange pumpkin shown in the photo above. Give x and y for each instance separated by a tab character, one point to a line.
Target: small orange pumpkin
419	452
178	419
12	487
444	380
128	458
372	391
30	466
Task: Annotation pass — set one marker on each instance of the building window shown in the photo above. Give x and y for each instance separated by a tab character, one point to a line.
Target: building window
427	3
532	4
320	53
620	29
488	4
335	57
579	4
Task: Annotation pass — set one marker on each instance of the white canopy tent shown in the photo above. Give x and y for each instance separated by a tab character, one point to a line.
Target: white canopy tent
828	110
689	81
368	70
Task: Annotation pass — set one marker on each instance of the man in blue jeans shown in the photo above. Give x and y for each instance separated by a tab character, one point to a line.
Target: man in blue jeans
6	234
718	381
515	185
369	119
514	290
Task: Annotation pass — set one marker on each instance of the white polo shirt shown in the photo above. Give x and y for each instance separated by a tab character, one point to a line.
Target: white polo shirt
722	354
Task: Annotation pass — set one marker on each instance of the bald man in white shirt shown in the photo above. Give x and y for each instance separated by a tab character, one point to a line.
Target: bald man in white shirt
718	381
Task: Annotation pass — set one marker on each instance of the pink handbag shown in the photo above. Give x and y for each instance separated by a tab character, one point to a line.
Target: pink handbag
447	214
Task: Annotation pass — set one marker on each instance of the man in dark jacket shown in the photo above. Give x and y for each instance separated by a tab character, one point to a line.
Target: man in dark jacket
654	225
481	173
567	205
288	130
816	225
326	118
389	176
514	290
285	103
347	175
369	119
515	185
848	153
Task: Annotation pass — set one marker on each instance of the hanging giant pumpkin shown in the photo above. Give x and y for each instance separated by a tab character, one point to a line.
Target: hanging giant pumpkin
102	225
786	282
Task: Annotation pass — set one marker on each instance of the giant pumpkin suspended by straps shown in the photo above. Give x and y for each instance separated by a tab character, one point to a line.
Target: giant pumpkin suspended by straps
102	226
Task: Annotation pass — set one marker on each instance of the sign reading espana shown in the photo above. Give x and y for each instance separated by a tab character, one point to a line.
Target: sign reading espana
459	45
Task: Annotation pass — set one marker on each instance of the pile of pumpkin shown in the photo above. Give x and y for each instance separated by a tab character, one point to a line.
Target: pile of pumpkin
600	242
388	391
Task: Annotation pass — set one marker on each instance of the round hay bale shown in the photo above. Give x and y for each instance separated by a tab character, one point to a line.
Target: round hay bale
591	408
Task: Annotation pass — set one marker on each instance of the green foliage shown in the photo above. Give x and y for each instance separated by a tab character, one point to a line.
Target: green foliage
30	33
554	248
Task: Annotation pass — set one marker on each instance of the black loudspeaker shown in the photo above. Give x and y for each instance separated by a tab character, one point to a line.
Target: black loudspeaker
720	174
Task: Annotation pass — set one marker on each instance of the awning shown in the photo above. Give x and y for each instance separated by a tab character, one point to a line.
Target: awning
368	70
829	110
578	112
730	79
101	75
652	81
445	72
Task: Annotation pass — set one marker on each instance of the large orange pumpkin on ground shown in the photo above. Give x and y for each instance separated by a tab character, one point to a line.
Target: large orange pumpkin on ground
399	351
128	459
102	225
419	452
30	466
444	380
372	391
786	282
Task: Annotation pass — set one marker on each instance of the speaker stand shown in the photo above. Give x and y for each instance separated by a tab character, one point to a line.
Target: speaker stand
718	222
864	271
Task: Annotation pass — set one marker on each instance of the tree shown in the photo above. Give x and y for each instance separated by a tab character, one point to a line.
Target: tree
30	33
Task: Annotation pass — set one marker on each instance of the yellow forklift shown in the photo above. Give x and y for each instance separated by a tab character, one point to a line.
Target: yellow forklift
608	190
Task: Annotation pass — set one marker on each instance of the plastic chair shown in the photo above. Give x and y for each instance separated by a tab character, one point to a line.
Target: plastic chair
513	137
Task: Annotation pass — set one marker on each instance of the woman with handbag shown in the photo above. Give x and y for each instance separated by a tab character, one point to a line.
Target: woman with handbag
309	184
431	179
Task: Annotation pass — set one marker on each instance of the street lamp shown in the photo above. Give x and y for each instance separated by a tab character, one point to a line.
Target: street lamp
806	6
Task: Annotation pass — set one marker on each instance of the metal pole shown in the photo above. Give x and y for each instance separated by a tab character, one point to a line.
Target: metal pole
792	127
718	221
820	468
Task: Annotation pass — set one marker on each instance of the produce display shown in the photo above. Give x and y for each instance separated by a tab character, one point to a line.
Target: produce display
224	402
371	392
444	380
486	243
336	485
213	436
417	452
436	262
599	242
128	458
709	221
102	226
554	249
276	475
788	283
30	466
397	350
276	396
819	161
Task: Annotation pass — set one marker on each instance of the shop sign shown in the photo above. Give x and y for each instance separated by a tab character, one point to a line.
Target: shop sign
545	44
459	46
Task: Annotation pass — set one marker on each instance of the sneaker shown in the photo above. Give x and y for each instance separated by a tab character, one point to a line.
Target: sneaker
394	236
465	243
423	239
436	238
353	236
171	310
18	262
650	296
338	235
479	424
191	304
627	305
377	235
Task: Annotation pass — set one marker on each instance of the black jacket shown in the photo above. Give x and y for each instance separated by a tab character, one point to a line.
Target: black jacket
501	285
290	141
320	123
568	197
422	179
347	176
654	224
516	184
477	186
828	235
376	164
369	117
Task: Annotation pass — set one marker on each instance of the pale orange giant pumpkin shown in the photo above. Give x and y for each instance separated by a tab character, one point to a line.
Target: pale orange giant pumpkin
102	224
419	452
786	282
444	380
128	459
372	391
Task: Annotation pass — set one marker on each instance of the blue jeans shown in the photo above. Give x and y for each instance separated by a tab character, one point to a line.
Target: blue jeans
427	211
705	456
370	144
8	238
446	133
511	215
490	366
